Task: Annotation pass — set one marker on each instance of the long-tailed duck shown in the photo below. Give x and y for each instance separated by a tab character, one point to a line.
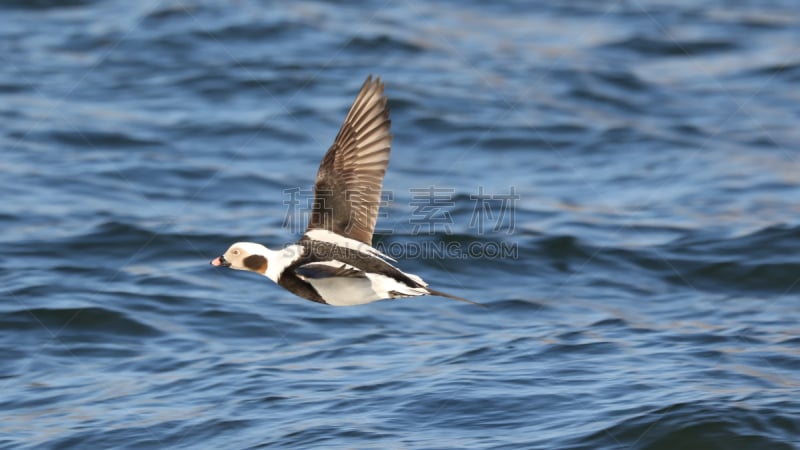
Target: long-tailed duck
334	262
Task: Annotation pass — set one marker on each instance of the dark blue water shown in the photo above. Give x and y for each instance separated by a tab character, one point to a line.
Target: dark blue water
633	164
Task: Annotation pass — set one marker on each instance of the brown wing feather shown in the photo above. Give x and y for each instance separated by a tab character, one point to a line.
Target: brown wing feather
347	192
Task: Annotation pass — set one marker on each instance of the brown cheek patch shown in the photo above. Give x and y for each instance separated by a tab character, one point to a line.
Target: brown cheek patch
256	263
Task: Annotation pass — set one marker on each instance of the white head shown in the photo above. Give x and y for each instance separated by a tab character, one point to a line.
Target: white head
245	256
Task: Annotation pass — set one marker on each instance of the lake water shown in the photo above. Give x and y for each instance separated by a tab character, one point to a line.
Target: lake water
618	181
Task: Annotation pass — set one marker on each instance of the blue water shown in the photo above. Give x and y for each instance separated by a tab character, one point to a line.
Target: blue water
646	296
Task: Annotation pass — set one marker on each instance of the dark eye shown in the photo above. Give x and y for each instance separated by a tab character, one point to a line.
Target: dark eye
235	252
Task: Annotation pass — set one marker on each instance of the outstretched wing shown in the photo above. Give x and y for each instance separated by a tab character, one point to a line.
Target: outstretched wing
347	192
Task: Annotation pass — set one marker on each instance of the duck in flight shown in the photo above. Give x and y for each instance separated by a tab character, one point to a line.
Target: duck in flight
334	262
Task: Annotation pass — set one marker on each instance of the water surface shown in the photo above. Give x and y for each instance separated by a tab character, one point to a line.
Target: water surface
643	154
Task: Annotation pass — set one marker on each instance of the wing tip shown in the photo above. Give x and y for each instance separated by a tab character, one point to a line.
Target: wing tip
374	83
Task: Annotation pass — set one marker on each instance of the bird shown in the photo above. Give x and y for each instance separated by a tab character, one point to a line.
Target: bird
334	262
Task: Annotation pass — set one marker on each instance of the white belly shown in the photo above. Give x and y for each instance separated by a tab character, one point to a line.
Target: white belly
340	291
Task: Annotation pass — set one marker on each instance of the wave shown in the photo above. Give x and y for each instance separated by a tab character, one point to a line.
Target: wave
654	47
44	4
765	261
91	320
702	424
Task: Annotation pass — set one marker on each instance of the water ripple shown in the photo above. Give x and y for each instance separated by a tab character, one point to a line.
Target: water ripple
649	301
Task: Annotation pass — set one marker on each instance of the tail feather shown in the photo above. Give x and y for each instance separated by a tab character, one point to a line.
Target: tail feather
454	297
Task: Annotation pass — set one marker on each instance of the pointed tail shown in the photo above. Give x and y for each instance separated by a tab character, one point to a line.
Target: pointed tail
454	297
